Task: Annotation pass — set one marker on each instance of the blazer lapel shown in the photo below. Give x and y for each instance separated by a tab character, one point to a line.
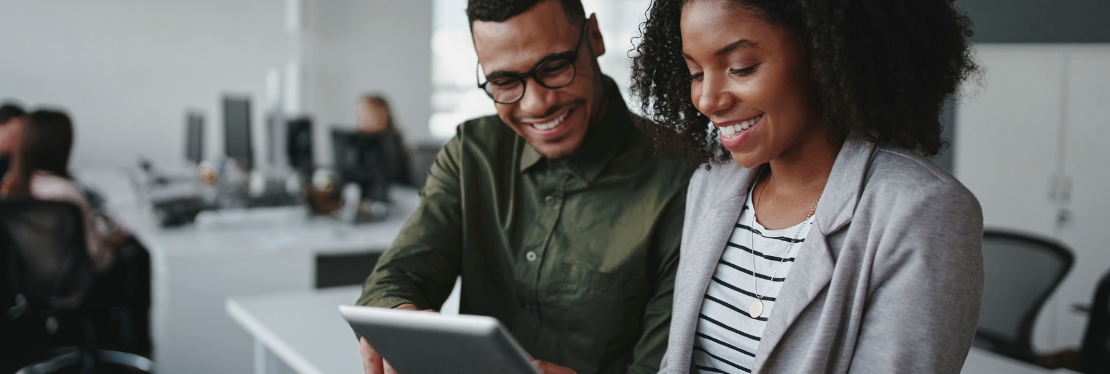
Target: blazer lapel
815	260
706	245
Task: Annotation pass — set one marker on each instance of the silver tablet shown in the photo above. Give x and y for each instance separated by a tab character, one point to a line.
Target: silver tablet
423	342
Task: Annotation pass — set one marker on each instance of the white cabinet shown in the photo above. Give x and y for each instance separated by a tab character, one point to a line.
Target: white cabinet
1087	165
1033	143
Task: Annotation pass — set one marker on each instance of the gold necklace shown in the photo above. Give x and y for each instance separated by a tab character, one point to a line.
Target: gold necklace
756	309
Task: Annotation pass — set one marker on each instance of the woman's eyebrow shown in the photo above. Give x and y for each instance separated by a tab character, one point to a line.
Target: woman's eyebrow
742	43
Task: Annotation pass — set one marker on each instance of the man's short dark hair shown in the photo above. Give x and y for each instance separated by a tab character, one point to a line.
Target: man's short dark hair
9	111
503	10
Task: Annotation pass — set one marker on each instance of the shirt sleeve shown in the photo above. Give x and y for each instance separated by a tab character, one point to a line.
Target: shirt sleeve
652	344
926	288
423	263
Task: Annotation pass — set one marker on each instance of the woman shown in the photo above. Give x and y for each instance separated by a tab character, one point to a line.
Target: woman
375	117
40	169
10	115
830	243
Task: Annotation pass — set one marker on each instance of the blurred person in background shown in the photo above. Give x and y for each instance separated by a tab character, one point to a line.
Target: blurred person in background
40	169
376	118
10	124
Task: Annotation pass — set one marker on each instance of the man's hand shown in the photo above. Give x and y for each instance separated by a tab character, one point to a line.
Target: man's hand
550	368
372	362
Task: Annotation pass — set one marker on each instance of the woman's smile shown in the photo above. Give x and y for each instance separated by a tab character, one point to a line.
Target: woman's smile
734	133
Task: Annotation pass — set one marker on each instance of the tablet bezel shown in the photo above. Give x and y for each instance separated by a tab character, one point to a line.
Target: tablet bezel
366	321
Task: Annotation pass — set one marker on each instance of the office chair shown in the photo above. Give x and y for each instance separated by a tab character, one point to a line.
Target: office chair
423	159
298	146
1094	355
1020	273
50	273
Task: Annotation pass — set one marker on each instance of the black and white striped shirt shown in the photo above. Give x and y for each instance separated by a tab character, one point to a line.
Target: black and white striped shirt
727	337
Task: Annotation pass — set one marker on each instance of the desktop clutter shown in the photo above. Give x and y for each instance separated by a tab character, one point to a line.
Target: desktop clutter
235	189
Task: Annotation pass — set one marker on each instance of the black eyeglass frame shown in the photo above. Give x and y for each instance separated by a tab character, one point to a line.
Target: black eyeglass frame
572	58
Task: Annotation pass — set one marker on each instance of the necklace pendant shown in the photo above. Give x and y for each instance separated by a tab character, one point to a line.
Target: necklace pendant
756	309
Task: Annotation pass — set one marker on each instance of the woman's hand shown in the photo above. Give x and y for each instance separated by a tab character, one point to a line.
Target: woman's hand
114	235
116	239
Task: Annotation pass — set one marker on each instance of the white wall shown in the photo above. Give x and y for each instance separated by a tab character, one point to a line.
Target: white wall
357	47
127	70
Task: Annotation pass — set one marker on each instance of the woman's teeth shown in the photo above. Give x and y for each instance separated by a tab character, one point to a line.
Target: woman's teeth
552	124
730	130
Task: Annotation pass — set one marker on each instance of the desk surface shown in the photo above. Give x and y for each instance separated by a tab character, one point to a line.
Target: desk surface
318	234
195	270
985	362
306	332
305	329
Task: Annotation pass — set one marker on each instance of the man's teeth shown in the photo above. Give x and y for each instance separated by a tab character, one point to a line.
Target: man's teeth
730	130
552	124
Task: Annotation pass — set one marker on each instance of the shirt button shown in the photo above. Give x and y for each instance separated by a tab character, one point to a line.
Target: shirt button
549	199
531	256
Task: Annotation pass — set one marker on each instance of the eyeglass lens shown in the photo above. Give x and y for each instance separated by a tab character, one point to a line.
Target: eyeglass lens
552	74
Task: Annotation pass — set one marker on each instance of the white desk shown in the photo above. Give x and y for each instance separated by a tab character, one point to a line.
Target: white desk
195	270
303	332
985	362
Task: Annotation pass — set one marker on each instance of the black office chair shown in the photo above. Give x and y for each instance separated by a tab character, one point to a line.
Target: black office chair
1021	271
423	157
1094	356
51	275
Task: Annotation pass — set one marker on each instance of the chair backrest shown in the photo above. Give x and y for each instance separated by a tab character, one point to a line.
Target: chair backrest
47	258
1094	356
1021	272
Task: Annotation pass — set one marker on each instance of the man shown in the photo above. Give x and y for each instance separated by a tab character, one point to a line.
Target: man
10	126
556	213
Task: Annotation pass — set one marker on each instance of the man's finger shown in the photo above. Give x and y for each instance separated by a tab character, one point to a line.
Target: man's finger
371	360
549	368
388	367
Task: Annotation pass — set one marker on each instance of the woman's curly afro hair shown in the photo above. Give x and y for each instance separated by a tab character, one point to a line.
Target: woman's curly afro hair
880	68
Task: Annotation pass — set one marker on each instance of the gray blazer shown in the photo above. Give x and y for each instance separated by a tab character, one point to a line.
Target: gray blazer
889	279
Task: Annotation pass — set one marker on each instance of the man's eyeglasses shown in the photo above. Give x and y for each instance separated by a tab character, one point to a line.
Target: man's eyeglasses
554	71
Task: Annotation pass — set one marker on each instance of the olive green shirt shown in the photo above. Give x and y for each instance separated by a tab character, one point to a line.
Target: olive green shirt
575	256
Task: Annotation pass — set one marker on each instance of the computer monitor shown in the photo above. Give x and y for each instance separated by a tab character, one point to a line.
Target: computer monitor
194	137
360	158
237	129
299	145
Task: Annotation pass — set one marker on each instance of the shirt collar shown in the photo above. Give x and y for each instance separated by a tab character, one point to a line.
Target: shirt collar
602	142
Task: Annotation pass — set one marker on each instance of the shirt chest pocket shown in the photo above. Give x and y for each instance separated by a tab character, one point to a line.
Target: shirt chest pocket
583	293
